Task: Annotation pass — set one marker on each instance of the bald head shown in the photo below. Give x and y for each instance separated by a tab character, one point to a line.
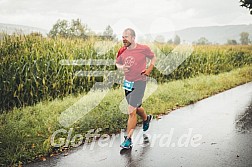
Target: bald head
131	31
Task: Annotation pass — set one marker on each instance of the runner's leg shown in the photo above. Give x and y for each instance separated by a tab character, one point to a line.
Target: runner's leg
132	121
134	99
142	113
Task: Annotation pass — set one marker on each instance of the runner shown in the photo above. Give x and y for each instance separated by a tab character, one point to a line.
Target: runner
131	58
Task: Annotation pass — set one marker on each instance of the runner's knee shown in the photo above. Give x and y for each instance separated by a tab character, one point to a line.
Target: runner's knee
132	110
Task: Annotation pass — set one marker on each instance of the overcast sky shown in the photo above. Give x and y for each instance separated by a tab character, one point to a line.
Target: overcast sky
146	16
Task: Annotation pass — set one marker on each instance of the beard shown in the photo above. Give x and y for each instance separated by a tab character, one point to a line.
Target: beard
126	43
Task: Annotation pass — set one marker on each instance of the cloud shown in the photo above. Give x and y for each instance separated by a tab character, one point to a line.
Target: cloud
144	14
184	14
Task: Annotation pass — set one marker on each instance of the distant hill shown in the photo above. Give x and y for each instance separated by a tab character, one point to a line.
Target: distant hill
214	34
13	28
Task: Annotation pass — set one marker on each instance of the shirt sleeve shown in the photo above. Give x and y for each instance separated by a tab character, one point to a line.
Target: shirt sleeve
148	53
118	57
119	60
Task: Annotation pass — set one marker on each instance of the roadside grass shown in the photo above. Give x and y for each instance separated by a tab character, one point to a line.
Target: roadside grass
26	132
172	95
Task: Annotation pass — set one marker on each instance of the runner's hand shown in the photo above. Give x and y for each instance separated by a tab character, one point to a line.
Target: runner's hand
145	72
126	68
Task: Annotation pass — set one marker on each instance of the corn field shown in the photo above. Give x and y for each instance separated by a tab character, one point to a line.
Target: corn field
30	69
208	59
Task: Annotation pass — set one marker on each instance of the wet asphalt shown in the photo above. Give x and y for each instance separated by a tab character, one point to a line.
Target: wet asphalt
216	131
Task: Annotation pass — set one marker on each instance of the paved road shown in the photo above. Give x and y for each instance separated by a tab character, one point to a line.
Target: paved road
216	131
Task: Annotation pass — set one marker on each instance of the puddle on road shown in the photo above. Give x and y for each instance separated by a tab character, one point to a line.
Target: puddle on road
243	122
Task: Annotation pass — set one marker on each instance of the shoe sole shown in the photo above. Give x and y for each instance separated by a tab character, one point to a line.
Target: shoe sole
149	123
126	147
150	118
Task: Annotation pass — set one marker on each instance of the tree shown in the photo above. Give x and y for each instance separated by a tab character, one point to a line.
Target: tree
244	38
203	41
170	41
77	29
60	28
232	42
247	4
177	40
159	39
108	33
63	29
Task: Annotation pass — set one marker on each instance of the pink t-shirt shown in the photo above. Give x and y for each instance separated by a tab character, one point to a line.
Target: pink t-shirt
136	59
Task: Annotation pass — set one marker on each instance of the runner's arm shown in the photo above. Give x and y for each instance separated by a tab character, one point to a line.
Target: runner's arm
119	66
122	67
150	68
